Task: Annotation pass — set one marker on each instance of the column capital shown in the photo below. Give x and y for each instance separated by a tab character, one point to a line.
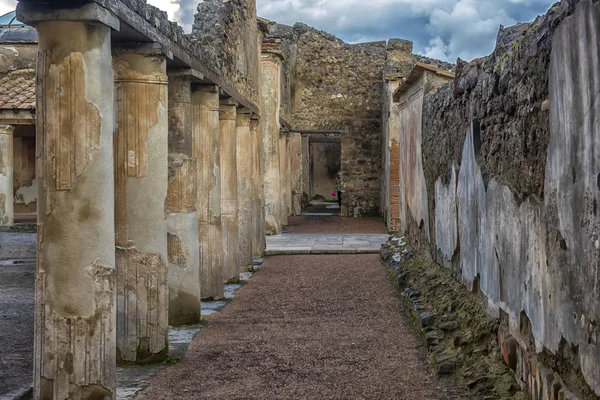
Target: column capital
228	101
245	111
205	88
143	64
189	73
145	49
227	112
7	129
34	13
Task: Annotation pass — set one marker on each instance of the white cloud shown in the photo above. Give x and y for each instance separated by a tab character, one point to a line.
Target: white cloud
7	6
444	29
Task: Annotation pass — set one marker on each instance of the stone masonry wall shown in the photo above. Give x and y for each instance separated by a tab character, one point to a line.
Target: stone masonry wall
226	31
332	85
227	53
511	162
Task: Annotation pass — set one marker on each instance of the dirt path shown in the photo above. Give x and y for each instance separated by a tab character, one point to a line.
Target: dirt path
335	225
306	327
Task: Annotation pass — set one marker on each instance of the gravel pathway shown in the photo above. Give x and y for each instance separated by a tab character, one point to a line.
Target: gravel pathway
323	225
306	327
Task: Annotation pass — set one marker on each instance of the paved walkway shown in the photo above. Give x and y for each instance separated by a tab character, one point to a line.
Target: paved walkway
287	244
306	327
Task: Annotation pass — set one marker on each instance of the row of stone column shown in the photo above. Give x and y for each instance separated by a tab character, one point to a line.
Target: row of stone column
149	200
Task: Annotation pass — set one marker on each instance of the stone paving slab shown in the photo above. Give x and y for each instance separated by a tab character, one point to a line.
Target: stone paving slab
289	244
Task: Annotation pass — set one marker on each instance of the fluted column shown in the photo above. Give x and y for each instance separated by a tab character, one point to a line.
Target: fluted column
270	127
229	201
141	188
295	165
205	104
283	176
75	302
182	208
258	196
244	188
7	212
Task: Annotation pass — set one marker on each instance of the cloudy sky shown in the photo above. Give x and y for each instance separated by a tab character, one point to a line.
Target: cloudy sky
444	29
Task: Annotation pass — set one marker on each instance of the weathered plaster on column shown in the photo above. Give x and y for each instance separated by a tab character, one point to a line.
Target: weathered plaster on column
258	198
141	188
182	203
75	324
284	178
271	97
205	104
229	204
295	165
6	176
305	195
244	189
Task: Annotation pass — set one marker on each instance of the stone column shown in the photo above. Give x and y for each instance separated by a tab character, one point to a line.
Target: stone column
305	195
182	208
229	205
7	216
271	97
205	105
284	178
141	188
75	301
258	198
295	164
244	188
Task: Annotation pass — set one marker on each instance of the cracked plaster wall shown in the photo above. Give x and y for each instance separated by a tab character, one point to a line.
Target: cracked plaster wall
514	201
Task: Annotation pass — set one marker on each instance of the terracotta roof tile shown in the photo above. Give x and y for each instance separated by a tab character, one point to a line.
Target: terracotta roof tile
17	90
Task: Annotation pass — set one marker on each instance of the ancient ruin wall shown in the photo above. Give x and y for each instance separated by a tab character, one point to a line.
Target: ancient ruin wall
226	32
511	168
331	85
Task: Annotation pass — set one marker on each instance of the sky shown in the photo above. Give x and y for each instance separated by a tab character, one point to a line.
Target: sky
443	29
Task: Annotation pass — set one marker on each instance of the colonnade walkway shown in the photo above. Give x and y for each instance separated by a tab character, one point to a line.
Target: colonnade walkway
306	327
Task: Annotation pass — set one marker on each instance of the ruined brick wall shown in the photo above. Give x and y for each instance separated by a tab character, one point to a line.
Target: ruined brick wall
510	158
226	32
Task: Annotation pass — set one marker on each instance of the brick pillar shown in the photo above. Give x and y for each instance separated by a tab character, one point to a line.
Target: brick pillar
141	188
75	302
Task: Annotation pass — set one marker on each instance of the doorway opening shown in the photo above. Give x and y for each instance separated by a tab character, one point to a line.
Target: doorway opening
322	155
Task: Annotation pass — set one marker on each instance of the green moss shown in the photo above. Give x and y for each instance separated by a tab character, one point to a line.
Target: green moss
172	360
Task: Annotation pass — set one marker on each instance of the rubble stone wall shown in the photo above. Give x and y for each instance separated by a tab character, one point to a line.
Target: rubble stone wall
511	164
226	32
332	85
